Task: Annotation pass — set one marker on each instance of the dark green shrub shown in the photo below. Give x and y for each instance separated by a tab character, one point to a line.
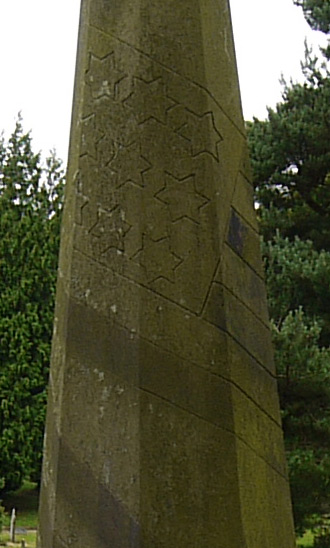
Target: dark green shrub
322	540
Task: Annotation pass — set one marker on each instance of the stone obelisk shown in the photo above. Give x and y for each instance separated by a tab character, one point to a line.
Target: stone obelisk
163	426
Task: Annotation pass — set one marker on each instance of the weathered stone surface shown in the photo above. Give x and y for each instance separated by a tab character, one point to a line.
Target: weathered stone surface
163	425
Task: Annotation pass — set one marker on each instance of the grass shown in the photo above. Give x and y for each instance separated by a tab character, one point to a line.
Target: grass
25	501
306	541
29	537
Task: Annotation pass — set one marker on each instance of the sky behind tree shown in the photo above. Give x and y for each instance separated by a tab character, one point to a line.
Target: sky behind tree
38	42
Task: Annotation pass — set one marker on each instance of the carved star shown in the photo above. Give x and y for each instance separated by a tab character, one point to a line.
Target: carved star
202	134
157	259
129	165
111	228
149	100
182	198
81	202
105	150
103	75
90	136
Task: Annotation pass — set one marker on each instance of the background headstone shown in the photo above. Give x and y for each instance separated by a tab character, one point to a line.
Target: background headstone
163	423
12	525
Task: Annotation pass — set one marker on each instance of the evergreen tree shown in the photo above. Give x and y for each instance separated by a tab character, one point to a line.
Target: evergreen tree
290	154
30	207
290	157
297	277
317	13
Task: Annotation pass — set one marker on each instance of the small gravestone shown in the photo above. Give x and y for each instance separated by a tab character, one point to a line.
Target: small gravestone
12	525
163	426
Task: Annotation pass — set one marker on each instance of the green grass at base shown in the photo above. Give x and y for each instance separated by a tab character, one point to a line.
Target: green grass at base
30	539
306	541
25	501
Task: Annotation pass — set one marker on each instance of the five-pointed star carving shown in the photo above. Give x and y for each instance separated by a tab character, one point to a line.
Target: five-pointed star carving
149	100
111	228
202	133
181	197
157	259
129	165
103	75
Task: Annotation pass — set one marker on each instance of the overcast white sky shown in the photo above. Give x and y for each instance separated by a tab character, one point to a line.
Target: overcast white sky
38	45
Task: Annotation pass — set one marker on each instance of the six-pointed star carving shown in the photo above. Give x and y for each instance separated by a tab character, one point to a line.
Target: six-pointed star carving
81	202
105	150
202	133
103	75
181	197
89	136
149	100
111	228
129	164
157	259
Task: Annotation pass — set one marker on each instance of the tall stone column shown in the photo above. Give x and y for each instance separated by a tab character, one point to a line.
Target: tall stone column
163	426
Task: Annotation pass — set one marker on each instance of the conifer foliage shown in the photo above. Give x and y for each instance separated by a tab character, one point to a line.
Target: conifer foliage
30	210
317	13
290	154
